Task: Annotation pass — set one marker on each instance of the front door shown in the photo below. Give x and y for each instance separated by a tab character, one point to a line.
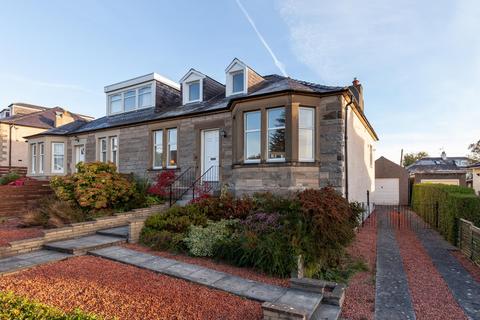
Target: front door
210	154
79	154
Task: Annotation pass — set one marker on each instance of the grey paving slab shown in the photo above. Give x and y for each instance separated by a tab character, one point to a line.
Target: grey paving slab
326	311
255	290
463	287
392	297
28	260
84	244
116	232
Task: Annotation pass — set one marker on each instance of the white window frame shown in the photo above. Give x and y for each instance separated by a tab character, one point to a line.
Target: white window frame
101	151
234	73
312	128
137	89
114	149
155	145
268	136
135	99
53	157
169	145
259	130
188	84
33	150
41	157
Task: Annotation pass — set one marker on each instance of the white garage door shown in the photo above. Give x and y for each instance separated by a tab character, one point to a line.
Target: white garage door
453	182
387	191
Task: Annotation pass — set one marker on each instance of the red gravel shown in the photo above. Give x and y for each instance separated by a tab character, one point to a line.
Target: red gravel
430	294
112	290
215	265
360	295
10	230
472	268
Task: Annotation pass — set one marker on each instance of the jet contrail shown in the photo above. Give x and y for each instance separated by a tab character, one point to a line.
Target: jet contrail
279	65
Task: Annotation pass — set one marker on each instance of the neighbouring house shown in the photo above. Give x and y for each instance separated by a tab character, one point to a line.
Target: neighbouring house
475	170
443	169
19	120
252	133
391	183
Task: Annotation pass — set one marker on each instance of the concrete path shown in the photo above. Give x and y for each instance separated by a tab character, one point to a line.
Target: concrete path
392	298
463	287
28	260
298	299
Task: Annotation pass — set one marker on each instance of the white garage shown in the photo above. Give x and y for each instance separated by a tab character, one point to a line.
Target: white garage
387	191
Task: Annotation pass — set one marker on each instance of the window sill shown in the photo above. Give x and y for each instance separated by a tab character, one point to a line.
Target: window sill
276	164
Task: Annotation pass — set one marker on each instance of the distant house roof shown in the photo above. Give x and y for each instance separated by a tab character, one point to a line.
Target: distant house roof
475	165
28	105
44	119
440	165
171	108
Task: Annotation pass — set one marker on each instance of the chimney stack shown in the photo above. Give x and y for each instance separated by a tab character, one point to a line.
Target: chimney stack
444	156
357	86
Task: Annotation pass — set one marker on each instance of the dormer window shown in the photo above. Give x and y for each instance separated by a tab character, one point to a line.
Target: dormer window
193	91
131	99
238	82
129	102
115	103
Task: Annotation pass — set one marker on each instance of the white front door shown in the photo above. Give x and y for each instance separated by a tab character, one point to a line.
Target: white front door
79	154
210	154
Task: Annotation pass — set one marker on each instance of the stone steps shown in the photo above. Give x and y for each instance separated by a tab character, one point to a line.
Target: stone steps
81	246
31	259
121	232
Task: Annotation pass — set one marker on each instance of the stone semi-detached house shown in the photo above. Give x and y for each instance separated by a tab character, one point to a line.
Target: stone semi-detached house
262	132
21	119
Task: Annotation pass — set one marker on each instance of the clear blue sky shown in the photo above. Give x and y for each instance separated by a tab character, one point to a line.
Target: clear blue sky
419	62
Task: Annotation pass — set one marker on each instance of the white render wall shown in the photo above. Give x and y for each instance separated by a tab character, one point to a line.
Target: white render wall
361	166
476	180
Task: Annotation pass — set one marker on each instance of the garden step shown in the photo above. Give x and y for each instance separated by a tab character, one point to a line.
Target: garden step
121	232
80	246
303	300
28	260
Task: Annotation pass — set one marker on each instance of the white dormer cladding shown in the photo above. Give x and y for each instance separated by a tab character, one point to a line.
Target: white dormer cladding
192	86
134	94
236	78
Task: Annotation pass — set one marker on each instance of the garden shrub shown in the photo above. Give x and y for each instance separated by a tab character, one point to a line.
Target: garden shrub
204	241
166	230
14	307
162	183
226	207
53	212
9	177
95	186
442	205
141	197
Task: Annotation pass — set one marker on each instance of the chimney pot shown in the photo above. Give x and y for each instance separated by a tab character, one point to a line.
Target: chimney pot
356	82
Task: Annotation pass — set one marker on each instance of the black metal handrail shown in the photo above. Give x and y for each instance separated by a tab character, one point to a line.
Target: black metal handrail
180	186
207	182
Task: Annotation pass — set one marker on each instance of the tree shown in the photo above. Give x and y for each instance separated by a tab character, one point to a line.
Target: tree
412	157
475	150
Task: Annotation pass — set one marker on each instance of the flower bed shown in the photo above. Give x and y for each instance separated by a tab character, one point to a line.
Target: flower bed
265	232
11	230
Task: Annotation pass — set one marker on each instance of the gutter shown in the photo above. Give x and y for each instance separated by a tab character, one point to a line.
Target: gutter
346	146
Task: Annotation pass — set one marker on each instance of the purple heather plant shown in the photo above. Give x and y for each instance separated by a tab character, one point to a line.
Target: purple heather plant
262	222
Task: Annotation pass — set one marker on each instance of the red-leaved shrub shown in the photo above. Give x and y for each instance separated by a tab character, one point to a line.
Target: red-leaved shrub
162	183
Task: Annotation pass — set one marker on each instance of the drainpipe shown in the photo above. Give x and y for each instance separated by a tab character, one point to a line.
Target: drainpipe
10	148
346	146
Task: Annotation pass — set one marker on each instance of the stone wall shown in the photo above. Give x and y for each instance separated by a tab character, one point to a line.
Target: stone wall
77	230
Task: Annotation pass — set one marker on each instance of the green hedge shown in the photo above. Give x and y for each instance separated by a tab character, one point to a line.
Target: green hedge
14	307
451	203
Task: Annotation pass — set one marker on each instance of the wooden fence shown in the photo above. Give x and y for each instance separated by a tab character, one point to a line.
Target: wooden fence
20	170
15	200
469	240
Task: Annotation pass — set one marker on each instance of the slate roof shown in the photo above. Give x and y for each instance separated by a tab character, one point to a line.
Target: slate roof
437	165
475	165
272	84
44	119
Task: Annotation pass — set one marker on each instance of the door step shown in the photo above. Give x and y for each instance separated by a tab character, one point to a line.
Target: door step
80	246
121	232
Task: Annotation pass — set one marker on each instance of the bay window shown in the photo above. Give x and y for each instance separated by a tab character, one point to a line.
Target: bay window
33	147
306	134
41	159
157	149
58	156
252	136
276	134
172	148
